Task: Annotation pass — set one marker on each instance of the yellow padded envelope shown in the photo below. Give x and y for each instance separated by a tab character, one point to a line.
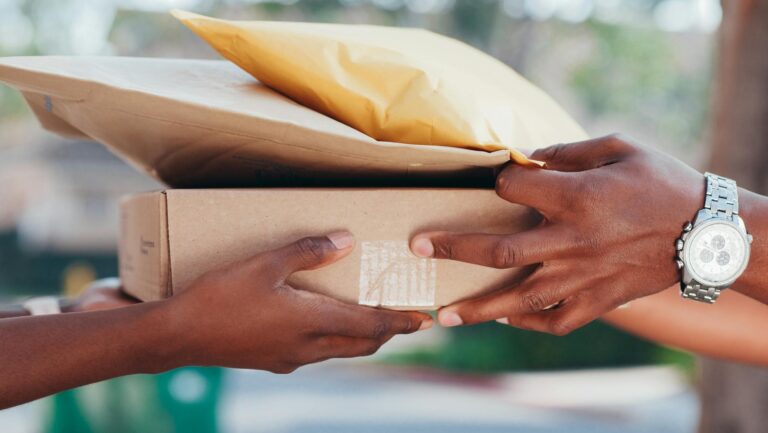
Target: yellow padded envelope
394	84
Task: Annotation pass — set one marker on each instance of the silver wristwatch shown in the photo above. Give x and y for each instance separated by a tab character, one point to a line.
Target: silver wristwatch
713	251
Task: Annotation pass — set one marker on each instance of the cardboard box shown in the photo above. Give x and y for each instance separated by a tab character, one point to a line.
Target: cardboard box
171	237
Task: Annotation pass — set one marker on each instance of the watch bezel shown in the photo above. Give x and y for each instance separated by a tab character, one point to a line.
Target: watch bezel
691	274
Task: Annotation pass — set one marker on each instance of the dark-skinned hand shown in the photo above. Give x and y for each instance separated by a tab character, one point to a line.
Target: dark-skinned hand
612	211
244	316
247	316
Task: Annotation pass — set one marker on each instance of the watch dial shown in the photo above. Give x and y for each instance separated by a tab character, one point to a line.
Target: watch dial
716	253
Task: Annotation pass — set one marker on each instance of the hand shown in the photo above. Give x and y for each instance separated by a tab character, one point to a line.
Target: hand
612	211
104	294
247	316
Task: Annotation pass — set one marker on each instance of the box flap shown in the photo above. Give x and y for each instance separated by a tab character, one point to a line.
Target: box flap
143	246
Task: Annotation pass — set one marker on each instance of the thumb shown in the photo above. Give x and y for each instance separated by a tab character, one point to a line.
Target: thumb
585	155
313	252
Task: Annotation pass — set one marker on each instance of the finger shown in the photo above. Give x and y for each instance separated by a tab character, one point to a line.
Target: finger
310	252
367	322
584	155
532	296
340	346
545	190
574	313
536	245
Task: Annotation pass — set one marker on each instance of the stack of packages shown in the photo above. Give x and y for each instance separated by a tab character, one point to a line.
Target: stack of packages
381	131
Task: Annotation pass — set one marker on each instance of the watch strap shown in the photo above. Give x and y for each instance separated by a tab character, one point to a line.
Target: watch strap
721	201
722	197
697	292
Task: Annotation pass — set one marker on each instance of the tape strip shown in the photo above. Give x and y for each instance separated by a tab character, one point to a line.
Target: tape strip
391	276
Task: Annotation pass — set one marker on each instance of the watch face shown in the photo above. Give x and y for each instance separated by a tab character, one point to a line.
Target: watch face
716	253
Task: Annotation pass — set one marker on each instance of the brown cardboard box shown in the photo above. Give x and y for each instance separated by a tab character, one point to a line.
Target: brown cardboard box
171	237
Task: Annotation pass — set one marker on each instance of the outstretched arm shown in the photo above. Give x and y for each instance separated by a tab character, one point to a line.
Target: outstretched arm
43	355
732	330
244	316
613	210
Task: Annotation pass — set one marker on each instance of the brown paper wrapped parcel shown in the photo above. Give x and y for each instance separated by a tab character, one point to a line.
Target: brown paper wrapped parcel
199	123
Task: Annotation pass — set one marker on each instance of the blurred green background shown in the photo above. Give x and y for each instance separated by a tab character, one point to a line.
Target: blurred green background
643	67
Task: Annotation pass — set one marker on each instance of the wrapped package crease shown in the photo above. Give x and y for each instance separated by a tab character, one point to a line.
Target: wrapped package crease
200	123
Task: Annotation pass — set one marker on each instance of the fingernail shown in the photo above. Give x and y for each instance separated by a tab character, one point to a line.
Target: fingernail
449	319
503	321
423	247
426	324
342	240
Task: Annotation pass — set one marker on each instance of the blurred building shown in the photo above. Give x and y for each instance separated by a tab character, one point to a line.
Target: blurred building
62	196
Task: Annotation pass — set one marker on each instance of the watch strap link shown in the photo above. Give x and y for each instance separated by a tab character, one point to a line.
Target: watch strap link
722	198
697	292
721	201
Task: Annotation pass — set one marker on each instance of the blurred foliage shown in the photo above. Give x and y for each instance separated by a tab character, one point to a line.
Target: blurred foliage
473	21
491	348
11	103
633	71
41	273
627	65
183	400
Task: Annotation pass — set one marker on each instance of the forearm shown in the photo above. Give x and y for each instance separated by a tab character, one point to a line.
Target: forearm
753	208
46	354
730	329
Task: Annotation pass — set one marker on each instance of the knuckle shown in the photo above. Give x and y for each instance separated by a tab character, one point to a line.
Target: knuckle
534	302
505	182
306	357
380	329
406	324
550	153
284	368
588	244
620	142
310	249
443	249
561	327
590	191
370	349
506	254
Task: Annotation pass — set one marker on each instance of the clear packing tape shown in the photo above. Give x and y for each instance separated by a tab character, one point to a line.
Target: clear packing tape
394	84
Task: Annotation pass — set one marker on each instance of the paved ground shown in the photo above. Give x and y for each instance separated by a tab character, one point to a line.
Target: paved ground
343	398
354	397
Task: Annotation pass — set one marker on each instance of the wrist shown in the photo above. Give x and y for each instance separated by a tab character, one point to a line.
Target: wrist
713	251
752	208
160	340
688	201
